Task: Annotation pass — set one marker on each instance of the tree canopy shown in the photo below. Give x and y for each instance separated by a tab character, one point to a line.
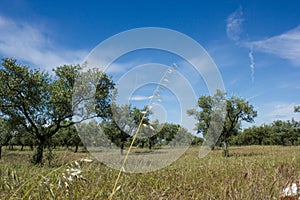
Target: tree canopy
211	117
39	102
297	109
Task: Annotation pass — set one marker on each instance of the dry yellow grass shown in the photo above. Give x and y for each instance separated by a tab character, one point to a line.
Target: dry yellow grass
254	172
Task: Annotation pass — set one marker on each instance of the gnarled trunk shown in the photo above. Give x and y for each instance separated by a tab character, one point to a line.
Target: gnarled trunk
38	156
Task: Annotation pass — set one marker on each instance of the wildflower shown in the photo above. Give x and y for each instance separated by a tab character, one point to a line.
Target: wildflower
291	192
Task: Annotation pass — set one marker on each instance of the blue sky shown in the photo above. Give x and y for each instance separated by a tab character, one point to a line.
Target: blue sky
255	44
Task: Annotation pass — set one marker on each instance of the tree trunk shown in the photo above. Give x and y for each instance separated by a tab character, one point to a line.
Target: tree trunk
150	144
282	140
38	157
76	148
225	151
122	148
0	151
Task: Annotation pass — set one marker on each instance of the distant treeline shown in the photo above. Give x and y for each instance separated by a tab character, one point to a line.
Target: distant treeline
96	134
277	133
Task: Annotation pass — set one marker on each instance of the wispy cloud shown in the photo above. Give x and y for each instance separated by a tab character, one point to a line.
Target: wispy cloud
253	96
234	29
234	25
276	111
283	111
252	64
286	45
31	44
139	98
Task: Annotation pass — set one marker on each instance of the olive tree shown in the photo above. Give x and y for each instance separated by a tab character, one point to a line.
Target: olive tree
42	103
237	110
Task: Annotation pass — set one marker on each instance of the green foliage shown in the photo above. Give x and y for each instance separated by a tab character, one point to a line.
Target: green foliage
211	117
277	133
67	137
124	123
42	104
197	141
5	134
167	133
254	136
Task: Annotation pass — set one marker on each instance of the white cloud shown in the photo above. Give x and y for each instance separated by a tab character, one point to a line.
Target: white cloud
233	25
253	96
276	111
139	98
30	43
286	45
234	29
283	111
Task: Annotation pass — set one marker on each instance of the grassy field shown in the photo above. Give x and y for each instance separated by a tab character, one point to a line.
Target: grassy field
254	172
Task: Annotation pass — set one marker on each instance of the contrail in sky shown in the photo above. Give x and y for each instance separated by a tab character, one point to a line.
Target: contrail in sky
252	64
234	30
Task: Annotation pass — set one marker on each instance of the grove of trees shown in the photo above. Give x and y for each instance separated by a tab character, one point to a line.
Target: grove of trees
38	103
36	110
278	133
